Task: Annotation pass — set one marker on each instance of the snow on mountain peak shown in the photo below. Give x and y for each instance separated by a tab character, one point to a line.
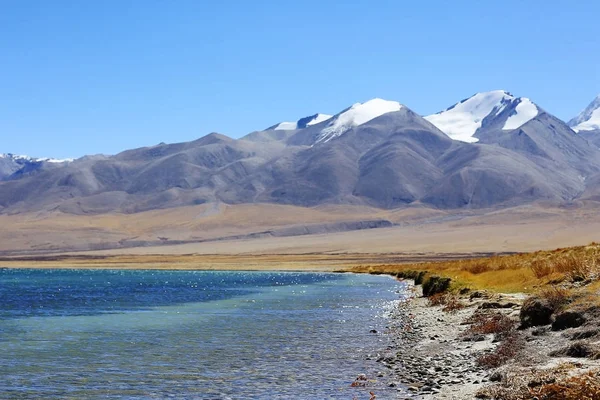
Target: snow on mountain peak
24	158
318	118
285	126
301	123
356	115
524	112
588	119
462	120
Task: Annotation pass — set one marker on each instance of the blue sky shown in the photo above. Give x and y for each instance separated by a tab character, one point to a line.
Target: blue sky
84	77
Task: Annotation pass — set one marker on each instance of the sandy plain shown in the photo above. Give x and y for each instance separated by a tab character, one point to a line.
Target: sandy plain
285	237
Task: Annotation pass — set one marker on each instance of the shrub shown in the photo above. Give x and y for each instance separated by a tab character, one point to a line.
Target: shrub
582	387
496	323
554	384
450	302
435	284
478	267
575	268
438	299
453	304
568	319
535	311
416	276
579	349
505	351
556	297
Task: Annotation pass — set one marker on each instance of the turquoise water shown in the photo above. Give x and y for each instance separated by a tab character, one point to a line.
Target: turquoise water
189	334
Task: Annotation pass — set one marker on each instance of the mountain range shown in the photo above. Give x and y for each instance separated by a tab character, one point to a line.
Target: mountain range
491	150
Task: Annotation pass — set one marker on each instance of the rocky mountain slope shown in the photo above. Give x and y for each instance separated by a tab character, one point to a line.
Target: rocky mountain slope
490	150
14	166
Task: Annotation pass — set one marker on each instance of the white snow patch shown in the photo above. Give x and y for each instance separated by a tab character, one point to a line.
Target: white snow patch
55	160
524	112
356	115
464	119
33	159
290	126
319	118
591	124
286	126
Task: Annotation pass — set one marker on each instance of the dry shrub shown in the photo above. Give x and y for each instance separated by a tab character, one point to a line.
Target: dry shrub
574	265
575	268
580	349
478	267
541	268
505	351
582	387
555	384
486	323
438	299
496	263
453	304
450	302
511	272
556	296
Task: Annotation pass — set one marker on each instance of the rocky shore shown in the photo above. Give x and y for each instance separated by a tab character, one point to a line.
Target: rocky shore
435	354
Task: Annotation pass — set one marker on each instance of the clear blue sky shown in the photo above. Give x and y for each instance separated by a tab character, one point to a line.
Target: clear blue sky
81	77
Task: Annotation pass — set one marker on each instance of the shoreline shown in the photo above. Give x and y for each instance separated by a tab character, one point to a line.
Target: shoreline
319	262
430	355
433	354
427	357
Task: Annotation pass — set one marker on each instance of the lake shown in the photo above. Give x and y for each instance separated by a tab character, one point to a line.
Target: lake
141	334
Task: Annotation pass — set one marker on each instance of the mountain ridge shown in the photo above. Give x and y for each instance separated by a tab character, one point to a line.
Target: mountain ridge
378	153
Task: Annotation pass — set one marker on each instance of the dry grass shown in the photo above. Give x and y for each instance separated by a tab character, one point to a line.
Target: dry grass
508	349
571	265
557	297
524	272
554	384
453	304
486	323
419	230
450	303
582	387
438	299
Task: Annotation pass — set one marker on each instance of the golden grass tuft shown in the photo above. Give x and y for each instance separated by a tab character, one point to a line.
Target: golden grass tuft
522	272
557	297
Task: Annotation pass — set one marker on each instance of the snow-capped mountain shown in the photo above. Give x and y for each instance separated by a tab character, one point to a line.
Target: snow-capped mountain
321	128
588	119
378	153
24	158
12	164
301	123
497	108
356	115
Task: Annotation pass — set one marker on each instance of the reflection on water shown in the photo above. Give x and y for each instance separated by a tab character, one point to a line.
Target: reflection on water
188	335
